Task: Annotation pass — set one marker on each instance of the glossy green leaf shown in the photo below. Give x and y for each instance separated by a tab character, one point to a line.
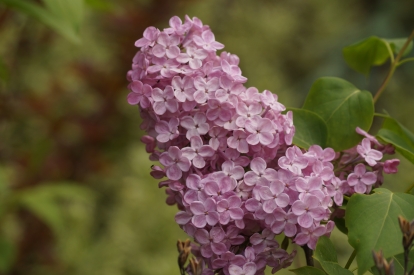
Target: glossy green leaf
308	270
64	16
309	128
325	253
372	51
372	222
7	255
399	136
45	201
343	107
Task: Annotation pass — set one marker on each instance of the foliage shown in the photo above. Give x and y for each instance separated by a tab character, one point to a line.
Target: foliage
325	253
332	99
395	133
64	16
372	220
30	110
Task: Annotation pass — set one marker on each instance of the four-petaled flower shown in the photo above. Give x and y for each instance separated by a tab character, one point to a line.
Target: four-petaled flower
175	162
247	269
308	210
204	213
361	180
140	94
260	129
211	242
197	152
230	209
371	156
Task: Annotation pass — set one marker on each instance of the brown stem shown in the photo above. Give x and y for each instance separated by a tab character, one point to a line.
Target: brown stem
308	255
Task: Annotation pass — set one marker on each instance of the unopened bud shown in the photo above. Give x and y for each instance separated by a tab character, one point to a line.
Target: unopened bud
389	267
407	230
195	266
378	259
184	250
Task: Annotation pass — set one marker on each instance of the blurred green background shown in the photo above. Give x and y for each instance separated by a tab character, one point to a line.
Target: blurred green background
75	192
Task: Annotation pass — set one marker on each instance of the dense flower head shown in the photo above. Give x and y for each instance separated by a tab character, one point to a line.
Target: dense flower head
226	150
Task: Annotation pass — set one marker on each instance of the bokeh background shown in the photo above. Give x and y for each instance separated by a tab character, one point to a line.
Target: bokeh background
75	192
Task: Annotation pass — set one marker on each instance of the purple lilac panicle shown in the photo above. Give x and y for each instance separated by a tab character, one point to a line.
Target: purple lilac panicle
227	152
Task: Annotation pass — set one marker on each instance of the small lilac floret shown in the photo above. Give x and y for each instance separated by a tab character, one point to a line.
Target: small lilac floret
140	94
204	213
308	211
167	131
309	236
247	269
175	162
361	180
390	166
198	152
211	242
371	156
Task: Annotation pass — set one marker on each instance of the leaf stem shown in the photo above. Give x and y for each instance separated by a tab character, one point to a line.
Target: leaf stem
405	61
389	50
351	259
409	188
394	65
381	115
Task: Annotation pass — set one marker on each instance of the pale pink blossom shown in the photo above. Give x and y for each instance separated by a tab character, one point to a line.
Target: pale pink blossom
371	156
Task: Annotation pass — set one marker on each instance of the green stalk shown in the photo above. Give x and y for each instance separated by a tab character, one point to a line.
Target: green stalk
393	66
405	61
409	188
351	259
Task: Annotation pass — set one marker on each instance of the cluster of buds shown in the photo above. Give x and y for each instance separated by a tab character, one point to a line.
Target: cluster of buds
387	267
384	267
407	228
226	150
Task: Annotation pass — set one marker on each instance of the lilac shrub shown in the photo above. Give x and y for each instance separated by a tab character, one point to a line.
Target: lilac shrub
227	152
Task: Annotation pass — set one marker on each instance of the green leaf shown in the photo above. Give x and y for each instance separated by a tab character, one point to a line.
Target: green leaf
372	222
308	270
45	201
343	107
399	136
325	253
398	43
399	262
364	54
64	16
372	51
340	224
7	255
309	128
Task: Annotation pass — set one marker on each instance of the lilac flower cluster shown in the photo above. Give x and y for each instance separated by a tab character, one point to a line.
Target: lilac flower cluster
228	155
